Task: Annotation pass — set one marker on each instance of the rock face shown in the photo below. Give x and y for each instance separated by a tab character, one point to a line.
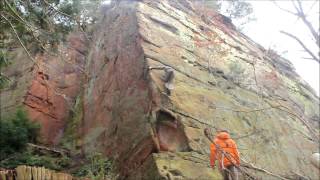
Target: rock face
48	89
222	80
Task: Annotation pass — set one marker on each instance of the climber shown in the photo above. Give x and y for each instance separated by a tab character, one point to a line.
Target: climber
167	78
225	150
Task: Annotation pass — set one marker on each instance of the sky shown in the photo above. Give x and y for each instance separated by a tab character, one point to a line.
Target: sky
270	20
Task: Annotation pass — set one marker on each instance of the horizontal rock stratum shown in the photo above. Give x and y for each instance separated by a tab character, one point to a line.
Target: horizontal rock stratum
222	80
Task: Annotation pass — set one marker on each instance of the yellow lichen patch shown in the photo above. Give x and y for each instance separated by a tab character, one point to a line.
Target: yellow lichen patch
185	165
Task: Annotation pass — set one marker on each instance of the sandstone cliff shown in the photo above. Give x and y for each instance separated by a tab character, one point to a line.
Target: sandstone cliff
99	96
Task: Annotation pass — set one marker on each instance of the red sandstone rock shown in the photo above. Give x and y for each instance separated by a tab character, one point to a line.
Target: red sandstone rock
54	88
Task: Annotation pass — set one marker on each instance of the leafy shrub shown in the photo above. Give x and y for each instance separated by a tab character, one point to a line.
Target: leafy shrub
15	133
237	72
4	80
31	159
97	167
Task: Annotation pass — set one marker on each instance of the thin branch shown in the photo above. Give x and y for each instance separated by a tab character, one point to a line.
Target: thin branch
252	166
249	134
20	19
300	14
311	7
287	110
303	45
298	9
246	111
312	30
69	16
308	58
13	11
308	24
55	151
21	43
290	12
57	10
40	43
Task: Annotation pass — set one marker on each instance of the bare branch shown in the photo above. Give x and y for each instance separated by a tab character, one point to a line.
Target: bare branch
283	108
312	30
298	9
303	45
55	9
14	12
54	151
311	7
252	166
308	58
301	15
255	131
290	12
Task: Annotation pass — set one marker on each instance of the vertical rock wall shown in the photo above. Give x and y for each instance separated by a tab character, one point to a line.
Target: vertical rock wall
117	98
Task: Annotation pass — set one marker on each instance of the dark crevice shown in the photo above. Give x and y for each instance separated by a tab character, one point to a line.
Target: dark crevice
170	132
165	25
177	19
47	114
46	101
149	42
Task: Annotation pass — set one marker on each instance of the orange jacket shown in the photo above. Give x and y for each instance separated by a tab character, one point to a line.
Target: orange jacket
224	141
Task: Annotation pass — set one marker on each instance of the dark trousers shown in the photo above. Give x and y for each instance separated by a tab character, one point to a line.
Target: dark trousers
230	173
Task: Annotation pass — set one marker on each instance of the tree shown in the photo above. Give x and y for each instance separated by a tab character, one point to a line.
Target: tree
38	25
16	132
34	24
302	15
238	10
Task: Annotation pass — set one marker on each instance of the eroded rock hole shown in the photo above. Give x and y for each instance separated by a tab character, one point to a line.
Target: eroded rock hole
170	133
43	75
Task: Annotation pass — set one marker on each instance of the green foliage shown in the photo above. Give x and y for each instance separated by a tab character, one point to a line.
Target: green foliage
71	136
4	80
97	168
29	158
38	23
236	72
15	133
236	68
239	10
233	9
3	58
212	4
42	24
